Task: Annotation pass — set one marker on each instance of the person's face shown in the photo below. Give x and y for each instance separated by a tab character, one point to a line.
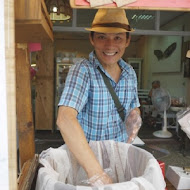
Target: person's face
109	47
154	86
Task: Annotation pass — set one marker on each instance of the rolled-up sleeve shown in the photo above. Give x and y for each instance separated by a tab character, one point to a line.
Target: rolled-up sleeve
75	93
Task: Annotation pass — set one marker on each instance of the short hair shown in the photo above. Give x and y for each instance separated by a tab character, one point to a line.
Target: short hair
156	82
92	34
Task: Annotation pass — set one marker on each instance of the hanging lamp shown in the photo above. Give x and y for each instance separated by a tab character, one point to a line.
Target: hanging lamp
59	10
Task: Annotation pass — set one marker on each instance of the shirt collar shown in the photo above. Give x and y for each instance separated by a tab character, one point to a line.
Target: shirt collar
124	65
94	61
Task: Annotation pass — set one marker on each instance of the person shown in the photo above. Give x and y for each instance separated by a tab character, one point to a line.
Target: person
155	85
86	109
151	116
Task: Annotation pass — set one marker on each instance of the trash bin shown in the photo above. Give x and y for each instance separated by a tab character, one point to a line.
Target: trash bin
132	168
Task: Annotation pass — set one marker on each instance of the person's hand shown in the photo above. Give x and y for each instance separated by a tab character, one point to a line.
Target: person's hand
100	180
133	124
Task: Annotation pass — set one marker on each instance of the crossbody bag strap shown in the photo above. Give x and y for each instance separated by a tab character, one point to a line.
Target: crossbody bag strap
118	105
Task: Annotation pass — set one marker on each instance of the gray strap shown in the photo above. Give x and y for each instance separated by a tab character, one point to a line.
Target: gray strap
118	105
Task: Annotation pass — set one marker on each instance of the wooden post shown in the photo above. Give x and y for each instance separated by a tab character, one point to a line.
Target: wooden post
8	166
24	105
44	105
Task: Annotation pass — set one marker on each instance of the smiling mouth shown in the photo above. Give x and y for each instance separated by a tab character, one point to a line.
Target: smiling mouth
110	54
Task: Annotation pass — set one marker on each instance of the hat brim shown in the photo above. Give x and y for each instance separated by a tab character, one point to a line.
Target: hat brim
108	30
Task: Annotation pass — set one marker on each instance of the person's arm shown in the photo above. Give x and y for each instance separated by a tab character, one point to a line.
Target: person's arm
150	93
133	124
76	141
138	110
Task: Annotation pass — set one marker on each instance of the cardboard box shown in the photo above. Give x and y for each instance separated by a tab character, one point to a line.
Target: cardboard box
178	178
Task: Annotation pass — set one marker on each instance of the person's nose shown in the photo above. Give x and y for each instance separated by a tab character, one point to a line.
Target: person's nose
109	42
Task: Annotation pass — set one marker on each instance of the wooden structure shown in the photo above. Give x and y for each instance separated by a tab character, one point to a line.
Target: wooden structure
32	24
27	177
44	101
32	21
23	105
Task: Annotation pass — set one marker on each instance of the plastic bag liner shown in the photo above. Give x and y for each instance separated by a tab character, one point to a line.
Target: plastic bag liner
183	118
132	168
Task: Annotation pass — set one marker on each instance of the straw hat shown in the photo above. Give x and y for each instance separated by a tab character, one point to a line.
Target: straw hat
110	21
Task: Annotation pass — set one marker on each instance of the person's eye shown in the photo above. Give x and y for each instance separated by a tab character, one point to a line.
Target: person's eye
117	38
101	37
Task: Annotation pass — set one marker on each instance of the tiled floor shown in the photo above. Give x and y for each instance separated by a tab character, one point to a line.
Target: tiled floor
174	150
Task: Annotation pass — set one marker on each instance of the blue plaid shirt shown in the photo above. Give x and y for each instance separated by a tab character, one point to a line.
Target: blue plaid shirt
86	92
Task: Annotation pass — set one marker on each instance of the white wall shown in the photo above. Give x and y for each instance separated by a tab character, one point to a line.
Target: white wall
169	71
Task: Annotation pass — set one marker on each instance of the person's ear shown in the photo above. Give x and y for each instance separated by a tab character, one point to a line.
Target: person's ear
91	39
128	41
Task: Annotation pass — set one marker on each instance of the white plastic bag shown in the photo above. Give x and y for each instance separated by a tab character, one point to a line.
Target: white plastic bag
132	168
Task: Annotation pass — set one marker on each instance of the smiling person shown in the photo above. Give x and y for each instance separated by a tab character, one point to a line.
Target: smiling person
87	110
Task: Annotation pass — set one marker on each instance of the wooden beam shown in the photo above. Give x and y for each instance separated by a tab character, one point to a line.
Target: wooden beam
23	104
44	104
136	32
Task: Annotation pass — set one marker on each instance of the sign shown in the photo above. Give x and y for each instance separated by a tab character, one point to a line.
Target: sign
179	5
